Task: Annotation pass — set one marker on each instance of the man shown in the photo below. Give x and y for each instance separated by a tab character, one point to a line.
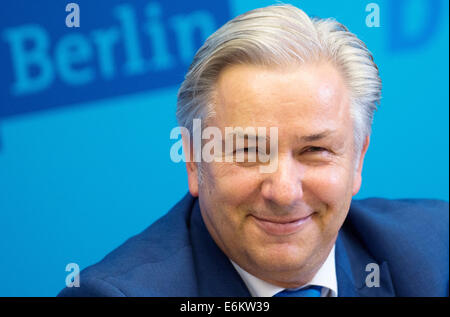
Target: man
292	231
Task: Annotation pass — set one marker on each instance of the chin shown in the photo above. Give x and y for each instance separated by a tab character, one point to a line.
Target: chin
280	258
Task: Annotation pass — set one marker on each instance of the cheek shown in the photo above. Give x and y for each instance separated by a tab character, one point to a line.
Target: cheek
231	184
329	186
329	190
227	191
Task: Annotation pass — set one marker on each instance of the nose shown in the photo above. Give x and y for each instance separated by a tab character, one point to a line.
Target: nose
284	186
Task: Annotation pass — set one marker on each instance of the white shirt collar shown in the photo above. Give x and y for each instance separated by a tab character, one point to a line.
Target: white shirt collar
325	277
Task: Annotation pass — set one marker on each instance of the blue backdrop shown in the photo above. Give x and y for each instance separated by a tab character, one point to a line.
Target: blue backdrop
85	117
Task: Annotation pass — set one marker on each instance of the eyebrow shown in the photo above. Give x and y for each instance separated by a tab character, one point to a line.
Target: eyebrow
316	136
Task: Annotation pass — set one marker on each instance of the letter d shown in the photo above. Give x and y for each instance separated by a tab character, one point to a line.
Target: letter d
24	58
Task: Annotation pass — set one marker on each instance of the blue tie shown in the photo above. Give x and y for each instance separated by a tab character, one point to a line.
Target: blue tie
310	291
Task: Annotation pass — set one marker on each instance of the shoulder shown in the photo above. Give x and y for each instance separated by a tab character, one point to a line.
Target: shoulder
402	205
148	264
414	216
411	235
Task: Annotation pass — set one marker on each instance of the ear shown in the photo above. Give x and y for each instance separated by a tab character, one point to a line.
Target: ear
358	172
191	166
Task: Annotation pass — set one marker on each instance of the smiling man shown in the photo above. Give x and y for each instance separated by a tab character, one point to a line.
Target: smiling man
281	226
295	230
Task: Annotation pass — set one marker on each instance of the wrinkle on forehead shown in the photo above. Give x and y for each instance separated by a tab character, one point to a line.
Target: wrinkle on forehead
248	94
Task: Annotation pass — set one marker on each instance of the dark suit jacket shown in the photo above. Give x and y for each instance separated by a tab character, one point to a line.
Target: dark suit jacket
176	256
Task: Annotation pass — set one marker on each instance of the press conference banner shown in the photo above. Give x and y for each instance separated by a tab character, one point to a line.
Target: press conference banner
119	47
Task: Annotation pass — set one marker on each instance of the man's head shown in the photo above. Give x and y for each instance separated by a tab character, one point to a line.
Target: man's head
315	82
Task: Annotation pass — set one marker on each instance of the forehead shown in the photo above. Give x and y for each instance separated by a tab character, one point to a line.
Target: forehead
306	97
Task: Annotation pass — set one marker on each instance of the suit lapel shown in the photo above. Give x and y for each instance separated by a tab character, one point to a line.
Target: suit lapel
345	280
351	262
216	275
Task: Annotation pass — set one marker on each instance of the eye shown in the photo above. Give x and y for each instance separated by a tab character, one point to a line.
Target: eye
313	149
246	150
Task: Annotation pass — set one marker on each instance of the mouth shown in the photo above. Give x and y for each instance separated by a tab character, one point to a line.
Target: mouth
281	227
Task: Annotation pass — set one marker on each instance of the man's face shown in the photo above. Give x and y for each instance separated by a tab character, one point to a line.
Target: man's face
281	226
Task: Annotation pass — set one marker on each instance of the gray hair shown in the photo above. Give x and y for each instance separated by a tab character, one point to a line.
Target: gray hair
281	35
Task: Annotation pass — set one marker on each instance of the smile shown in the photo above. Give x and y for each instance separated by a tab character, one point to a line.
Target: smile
281	227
